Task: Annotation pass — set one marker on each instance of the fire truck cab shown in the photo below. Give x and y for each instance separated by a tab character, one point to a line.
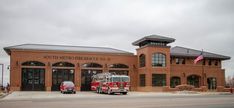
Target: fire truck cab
110	83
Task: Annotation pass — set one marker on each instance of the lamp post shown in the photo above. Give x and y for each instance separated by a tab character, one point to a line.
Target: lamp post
2	71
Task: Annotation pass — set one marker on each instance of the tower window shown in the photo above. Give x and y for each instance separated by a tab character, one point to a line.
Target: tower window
158	79
142	60
142	80
158	60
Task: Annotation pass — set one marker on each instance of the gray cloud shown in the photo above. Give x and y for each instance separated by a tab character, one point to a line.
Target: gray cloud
198	24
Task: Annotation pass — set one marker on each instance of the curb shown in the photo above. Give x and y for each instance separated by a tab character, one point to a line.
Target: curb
217	93
2	95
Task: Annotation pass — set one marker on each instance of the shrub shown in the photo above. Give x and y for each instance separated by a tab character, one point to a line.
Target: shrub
185	87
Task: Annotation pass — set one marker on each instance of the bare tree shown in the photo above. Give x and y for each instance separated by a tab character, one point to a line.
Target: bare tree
230	81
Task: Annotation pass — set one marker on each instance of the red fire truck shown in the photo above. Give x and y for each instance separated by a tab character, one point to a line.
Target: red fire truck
110	83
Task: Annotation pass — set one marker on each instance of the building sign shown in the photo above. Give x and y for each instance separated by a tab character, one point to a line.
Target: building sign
77	58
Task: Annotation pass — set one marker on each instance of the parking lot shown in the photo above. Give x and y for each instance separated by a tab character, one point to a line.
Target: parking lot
21	95
132	100
26	95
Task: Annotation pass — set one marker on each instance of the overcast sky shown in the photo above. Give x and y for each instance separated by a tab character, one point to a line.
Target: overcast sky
197	24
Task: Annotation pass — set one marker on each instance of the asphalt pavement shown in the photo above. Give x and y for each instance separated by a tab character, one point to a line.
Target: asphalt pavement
132	100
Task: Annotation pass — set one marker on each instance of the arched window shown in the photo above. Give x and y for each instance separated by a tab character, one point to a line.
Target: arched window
92	65
119	69
118	66
33	63
63	64
194	80
158	60
175	81
142	60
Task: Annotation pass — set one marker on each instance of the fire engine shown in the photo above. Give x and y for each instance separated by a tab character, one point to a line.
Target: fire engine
110	83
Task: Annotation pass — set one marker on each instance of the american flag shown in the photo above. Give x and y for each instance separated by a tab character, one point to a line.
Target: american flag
200	57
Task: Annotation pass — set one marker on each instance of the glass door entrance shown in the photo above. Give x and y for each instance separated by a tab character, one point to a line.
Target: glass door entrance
33	79
60	75
212	83
86	78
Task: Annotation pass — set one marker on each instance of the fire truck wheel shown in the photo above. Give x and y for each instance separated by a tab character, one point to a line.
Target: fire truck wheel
109	92
101	92
97	91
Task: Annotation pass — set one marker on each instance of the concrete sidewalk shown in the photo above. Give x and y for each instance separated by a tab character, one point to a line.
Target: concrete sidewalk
29	95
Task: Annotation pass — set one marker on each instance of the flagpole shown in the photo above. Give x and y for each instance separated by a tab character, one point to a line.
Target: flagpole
200	58
203	73
2	72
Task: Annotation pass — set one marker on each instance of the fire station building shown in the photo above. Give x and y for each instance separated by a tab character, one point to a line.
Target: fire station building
155	67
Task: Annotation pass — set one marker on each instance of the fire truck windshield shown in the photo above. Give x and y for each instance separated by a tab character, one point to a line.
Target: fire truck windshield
120	79
116	79
125	79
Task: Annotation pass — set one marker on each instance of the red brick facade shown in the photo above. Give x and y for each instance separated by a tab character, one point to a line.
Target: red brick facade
19	57
182	71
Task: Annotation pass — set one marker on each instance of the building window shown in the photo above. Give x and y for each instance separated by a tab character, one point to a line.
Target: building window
142	80
204	62
177	60
159	80
212	83
194	80
142	60
182	60
158	60
216	63
119	72
63	64
119	65
33	63
92	65
157	43
171	60
210	62
175	81
119	69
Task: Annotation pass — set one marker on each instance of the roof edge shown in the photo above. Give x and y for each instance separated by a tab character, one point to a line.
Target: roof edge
168	40
8	49
223	56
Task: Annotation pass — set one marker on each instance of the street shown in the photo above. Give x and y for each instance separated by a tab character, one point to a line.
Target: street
132	100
